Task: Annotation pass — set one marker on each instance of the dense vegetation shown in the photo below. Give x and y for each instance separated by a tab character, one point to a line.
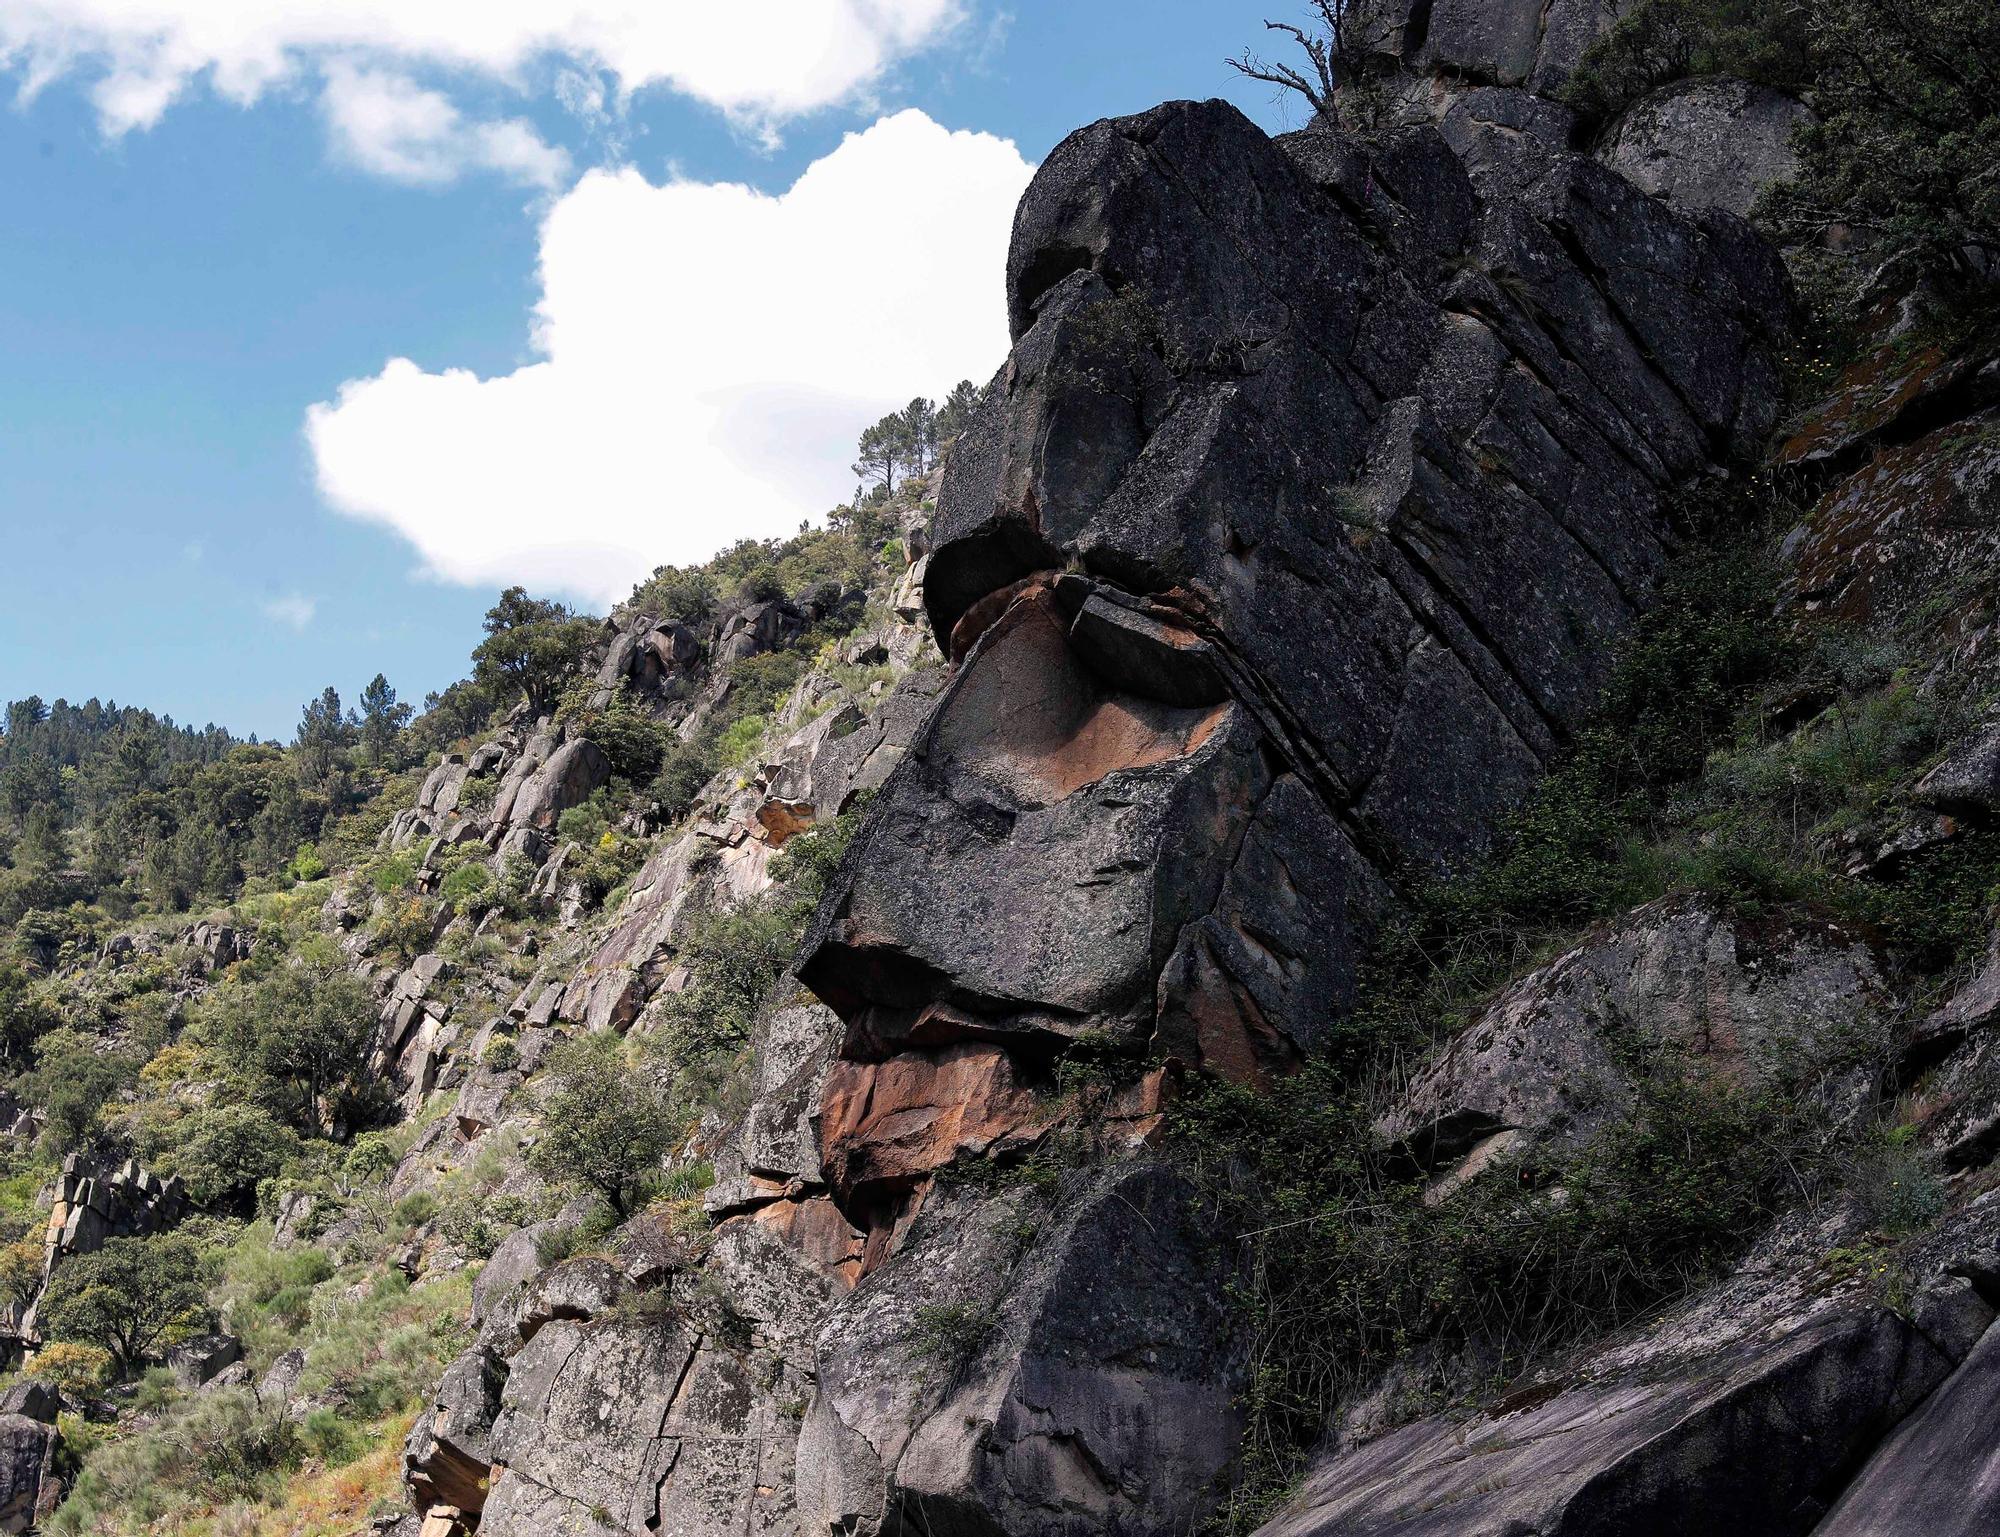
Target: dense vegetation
255	1083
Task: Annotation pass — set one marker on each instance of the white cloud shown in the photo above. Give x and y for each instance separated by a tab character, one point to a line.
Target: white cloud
385	122
761	63
294	609
707	355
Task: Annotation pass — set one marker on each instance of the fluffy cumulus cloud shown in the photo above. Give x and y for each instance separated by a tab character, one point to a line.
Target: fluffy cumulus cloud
705	354
385	122
762	62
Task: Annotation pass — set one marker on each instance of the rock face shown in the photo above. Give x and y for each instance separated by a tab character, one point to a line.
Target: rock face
1937	1474
1708	143
1306	421
998	1378
1269	581
28	1485
1279	561
1489	42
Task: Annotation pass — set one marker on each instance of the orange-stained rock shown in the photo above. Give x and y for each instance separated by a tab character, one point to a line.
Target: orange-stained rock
815	1228
885	1126
781	818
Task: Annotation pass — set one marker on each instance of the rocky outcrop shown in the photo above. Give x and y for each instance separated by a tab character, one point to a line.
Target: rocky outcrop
1743	1412
1280	561
1442	43
1967	782
127	1201
638	1427
197	1361
760	627
1168	790
1077	1380
448	1455
1678	984
29	1487
1713	142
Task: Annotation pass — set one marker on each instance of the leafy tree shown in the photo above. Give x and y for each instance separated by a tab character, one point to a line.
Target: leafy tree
128	1297
1908	134
223	1151
917	434
760	584
382	720
458	712
73	1081
24	1016
73	1370
676	594
42	846
304	1031
21	1270
684	769
28	782
879	454
531	645
605	1127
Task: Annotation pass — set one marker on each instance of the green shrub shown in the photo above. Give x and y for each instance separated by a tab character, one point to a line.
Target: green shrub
464	887
393	874
1351	1267
1659	41
415	1209
327	1436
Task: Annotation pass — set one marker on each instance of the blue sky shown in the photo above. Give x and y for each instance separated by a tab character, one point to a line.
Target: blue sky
177	292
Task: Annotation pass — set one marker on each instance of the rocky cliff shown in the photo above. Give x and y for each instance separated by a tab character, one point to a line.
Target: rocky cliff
1275	1049
1284	557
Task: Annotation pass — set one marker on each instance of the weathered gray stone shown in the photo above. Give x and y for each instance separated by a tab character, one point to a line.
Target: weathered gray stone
638	1428
1550	1062
31	1399
447	1458
28	1485
572	773
1087	1384
193	1362
1968	781
1939	1474
1708	143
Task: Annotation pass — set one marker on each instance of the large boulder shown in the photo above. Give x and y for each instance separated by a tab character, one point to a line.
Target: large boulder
1715	142
1741	1414
29	1488
1020	1370
193	1362
448	1455
763	626
571	775
1550	1063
